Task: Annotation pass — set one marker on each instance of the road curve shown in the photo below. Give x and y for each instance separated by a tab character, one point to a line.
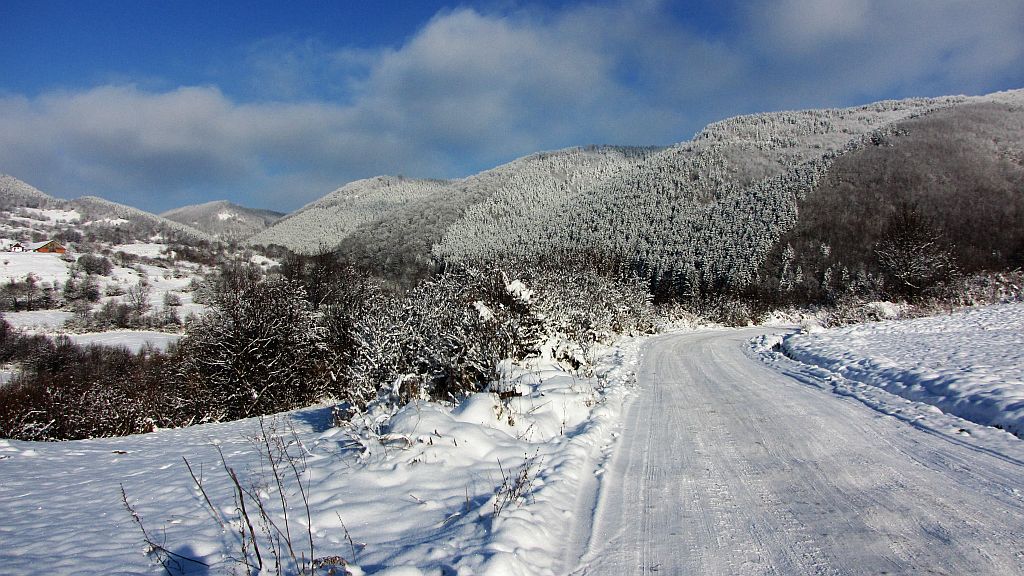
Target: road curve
727	467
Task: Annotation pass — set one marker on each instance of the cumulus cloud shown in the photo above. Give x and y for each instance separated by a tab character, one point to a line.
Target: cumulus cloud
471	89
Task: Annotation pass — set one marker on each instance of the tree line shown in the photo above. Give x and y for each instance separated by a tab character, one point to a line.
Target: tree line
315	330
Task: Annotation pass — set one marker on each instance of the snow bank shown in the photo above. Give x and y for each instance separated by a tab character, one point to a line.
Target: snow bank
487	487
969	364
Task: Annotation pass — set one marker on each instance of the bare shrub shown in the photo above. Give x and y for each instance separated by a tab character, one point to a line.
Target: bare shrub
272	521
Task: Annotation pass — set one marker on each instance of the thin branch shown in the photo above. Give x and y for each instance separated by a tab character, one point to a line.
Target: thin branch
202	490
166	557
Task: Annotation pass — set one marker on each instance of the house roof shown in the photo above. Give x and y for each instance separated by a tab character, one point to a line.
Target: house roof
38	245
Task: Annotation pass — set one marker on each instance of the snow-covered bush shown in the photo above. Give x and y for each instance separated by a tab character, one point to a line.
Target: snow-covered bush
64	391
79	287
441	340
93	264
914	258
445	337
265	346
258	350
991	288
578	308
171	299
28	294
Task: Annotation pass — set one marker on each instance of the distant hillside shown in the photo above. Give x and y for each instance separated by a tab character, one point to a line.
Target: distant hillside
28	214
714	214
324	223
224	220
398	244
98	211
15	193
388	225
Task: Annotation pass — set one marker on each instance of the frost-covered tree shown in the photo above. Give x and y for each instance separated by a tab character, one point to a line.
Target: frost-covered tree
914	257
441	340
257	350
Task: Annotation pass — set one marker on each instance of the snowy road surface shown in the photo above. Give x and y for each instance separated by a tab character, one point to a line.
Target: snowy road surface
726	466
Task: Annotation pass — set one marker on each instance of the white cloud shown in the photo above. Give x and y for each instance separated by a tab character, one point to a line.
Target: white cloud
471	89
837	49
805	26
129	144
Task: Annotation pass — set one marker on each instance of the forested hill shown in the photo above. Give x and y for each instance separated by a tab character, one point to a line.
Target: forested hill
389	225
398	245
99	218
324	223
946	189
773	200
700	216
224	220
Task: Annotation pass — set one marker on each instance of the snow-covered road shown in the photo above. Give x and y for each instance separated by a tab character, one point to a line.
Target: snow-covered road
726	466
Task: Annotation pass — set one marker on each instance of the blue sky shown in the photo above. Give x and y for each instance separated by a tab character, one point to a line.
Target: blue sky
158	104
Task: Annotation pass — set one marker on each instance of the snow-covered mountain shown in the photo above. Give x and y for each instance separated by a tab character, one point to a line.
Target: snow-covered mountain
389	225
15	193
324	223
702	214
782	198
398	246
224	220
27	214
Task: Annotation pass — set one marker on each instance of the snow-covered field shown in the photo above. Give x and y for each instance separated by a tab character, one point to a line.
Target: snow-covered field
969	364
133	340
54	216
486	488
45	321
49	268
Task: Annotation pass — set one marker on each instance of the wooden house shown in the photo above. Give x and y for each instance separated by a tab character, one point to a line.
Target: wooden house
45	247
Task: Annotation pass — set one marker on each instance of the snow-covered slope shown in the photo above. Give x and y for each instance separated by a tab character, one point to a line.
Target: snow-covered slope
399	244
27	214
101	211
970	364
223	219
398	219
701	214
325	222
15	193
112	249
956	172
